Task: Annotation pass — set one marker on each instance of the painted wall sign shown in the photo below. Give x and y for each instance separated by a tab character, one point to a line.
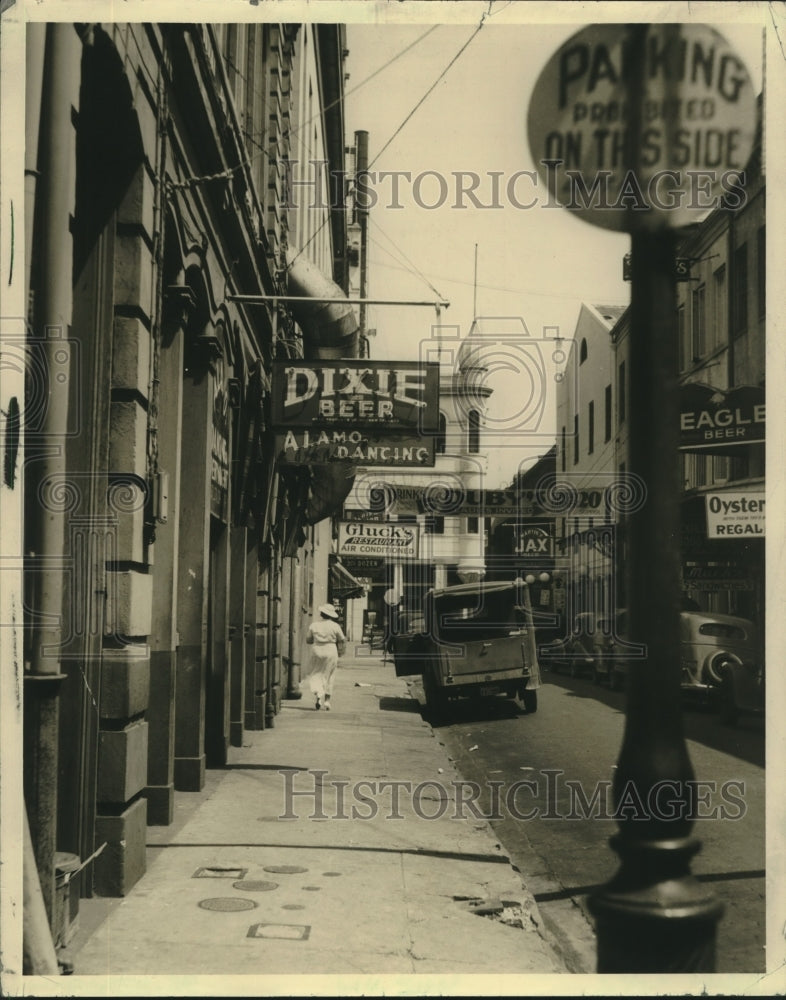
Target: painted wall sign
713	418
735	514
320	447
396	395
697	114
387	541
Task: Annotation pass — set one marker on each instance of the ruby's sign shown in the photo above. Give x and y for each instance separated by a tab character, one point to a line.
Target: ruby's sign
715	419
394	395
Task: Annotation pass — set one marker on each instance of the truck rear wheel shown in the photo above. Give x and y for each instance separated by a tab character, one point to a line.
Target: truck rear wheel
436	702
530	701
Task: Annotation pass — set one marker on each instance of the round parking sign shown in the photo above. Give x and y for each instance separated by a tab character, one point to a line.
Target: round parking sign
643	127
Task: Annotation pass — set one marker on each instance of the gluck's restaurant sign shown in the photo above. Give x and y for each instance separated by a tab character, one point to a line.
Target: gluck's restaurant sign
394	395
712	418
388	541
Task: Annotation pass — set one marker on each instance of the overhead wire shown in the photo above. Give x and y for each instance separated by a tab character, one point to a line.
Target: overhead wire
444	72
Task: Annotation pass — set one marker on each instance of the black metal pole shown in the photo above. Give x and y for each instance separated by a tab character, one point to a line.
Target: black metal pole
654	916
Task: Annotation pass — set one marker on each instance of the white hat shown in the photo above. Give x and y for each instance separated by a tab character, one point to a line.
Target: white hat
329	610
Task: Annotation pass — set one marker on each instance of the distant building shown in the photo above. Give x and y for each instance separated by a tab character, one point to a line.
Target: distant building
720	325
448	543
591	409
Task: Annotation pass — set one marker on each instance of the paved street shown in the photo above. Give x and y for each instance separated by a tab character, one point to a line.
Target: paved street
578	731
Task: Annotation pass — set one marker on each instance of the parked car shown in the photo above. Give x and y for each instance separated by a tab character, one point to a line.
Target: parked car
722	661
475	640
720	658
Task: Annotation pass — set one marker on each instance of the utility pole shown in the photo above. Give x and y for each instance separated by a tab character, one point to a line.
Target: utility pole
361	208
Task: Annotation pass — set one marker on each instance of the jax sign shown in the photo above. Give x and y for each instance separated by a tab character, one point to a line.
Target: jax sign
643	127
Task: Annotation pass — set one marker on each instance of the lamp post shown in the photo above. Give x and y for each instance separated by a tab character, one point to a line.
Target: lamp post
654	915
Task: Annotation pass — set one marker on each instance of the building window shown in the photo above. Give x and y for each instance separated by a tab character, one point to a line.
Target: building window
435	525
621	392
701	469
564	441
473	525
738	467
591	428
576	439
740	290
583	351
699	324
607	414
442	435
474	432
720	309
761	270
720	468
683	340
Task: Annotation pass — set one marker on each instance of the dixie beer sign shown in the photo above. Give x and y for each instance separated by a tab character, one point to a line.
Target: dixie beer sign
386	396
643	126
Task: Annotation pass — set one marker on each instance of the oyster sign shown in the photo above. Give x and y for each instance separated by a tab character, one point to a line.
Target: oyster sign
643	127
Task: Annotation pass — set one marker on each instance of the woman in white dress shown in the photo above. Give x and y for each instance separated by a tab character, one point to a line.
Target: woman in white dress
327	642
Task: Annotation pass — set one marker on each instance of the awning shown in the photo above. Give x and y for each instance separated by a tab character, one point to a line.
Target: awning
343	585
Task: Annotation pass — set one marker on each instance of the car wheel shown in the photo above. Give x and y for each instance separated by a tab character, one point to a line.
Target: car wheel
717	667
530	700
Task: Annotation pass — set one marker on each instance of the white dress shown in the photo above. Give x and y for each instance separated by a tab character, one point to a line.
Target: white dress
327	643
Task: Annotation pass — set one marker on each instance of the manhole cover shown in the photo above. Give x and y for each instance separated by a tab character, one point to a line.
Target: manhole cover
227	904
254	885
293	906
331	874
284	869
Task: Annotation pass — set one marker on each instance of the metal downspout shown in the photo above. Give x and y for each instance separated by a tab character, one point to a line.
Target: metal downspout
35	46
55	193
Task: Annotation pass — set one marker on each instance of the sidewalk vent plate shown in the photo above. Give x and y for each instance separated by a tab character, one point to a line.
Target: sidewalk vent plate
292	932
312	888
254	885
219	871
227	904
331	874
284	869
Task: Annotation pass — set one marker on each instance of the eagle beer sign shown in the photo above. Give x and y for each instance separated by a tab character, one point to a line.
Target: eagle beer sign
643	127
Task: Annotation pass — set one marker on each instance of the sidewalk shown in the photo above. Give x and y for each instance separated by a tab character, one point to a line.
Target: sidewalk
267	874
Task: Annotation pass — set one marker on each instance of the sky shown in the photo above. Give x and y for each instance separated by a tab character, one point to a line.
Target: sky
430	242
